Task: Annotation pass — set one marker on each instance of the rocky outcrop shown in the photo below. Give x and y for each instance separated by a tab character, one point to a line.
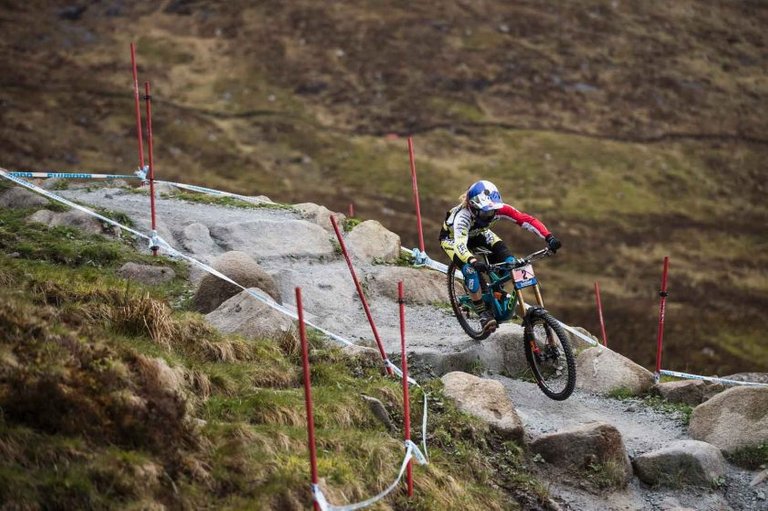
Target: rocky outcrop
689	392
603	371
146	274
250	317
319	215
486	400
266	238
686	462
74	218
21	198
591	448
239	267
370	241
421	286
732	419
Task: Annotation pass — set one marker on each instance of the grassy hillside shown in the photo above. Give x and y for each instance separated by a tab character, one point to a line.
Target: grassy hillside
634	130
114	396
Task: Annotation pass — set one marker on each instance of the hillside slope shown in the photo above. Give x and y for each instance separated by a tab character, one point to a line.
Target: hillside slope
634	130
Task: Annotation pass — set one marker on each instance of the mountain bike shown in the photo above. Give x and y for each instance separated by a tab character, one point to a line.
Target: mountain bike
547	349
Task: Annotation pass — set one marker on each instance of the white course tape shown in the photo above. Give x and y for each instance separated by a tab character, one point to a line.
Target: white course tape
411	451
711	378
219	193
69	175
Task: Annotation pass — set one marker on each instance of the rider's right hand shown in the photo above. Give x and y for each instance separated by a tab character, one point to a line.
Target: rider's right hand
479	266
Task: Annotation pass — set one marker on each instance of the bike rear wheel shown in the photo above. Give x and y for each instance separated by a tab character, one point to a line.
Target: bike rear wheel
549	354
462	305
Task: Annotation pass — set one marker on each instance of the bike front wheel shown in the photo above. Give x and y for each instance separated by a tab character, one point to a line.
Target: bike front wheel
462	306
549	354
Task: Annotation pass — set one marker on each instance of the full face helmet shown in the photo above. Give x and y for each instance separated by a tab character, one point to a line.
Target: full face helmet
484	199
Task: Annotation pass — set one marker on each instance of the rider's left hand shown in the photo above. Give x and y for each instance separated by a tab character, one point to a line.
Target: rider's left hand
553	243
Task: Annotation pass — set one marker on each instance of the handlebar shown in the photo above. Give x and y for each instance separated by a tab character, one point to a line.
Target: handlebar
524	261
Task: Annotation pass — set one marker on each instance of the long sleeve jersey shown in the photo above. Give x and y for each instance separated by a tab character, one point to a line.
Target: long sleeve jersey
460	224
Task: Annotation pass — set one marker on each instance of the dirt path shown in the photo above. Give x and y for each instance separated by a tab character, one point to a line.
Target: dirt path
331	301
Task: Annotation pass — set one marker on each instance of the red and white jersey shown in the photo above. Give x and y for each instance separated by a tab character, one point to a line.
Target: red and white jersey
461	224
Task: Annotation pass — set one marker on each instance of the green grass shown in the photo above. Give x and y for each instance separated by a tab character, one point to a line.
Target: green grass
751	458
113	399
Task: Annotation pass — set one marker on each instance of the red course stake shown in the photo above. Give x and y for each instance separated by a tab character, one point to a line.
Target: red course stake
406	397
148	99
351	210
662	310
307	394
415	185
600	313
360	292
138	108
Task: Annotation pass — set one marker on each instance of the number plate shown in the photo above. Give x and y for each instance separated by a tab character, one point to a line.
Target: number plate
524	277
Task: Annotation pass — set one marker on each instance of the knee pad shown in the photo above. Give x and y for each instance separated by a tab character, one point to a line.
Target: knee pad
471	278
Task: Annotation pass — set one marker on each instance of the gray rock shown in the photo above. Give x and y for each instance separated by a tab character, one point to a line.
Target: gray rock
245	315
74	218
732	419
320	215
379	411
21	198
421	286
264	239
690	392
239	267
370	241
602	371
196	239
686	462
486	400
146	274
588	448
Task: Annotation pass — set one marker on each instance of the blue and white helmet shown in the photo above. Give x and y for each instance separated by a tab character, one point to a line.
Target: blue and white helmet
484	196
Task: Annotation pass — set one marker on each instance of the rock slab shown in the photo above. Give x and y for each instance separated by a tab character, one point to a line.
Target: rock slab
485	399
603	371
733	419
686	462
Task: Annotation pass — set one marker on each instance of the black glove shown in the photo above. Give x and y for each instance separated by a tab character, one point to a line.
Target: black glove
553	243
479	266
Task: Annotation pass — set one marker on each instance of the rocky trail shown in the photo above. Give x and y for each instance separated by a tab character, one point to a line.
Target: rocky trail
300	251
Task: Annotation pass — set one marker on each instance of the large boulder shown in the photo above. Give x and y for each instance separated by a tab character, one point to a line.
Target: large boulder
250	317
266	238
421	286
21	198
371	241
320	215
685	462
239	267
595	448
486	400
689	392
74	218
732	419
603	371
146	274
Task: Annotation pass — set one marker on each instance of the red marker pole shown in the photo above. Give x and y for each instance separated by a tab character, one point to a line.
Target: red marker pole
662	310
600	312
138	107
360	292
406	397
415	186
148	99
307	395
351	210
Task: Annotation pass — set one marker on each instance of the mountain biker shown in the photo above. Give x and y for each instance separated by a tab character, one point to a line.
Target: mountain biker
468	226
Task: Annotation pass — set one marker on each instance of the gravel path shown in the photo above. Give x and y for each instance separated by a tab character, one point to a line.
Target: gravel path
331	301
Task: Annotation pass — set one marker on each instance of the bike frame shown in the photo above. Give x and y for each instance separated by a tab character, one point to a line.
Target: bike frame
497	285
